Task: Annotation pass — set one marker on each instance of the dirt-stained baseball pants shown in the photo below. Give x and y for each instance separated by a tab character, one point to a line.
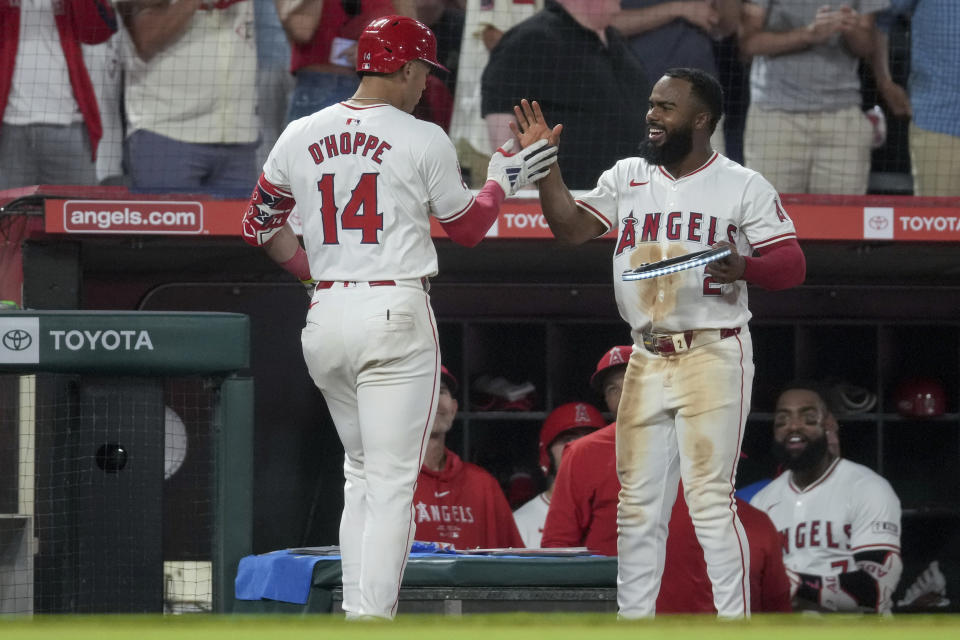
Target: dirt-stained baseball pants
682	416
373	352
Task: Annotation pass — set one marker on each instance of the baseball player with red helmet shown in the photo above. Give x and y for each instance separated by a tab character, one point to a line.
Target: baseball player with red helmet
839	520
564	424
366	178
686	393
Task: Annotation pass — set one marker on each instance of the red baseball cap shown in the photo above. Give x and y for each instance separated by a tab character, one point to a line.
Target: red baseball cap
615	357
573	415
448	379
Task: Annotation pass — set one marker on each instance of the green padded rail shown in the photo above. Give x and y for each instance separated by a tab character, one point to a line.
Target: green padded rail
143	343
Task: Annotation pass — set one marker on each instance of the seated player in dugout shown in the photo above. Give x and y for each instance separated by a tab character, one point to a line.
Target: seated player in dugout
563	425
583	512
456	502
839	521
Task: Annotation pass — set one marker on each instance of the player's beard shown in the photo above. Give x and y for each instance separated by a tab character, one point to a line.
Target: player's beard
676	146
810	457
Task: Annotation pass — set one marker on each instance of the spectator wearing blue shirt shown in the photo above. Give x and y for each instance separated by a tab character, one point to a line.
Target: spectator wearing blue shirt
934	87
671	33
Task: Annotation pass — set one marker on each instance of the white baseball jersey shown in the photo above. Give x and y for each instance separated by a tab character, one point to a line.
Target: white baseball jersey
660	217
366	181
530	518
848	510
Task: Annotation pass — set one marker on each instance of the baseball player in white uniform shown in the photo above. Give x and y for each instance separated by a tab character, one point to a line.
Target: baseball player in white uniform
839	521
686	392
366	177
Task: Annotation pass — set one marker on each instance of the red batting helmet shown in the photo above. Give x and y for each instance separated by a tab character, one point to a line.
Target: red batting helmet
573	415
448	379
920	398
390	42
615	357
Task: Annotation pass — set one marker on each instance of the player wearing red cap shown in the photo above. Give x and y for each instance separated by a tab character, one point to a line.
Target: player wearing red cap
565	424
457	502
583	512
366	177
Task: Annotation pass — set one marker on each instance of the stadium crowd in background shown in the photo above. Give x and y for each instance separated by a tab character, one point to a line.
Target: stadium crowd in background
665	33
806	131
324	44
176	85
485	22
187	131
50	121
598	93
933	89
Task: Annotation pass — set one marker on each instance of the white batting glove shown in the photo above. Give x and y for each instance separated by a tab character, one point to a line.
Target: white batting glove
513	170
928	590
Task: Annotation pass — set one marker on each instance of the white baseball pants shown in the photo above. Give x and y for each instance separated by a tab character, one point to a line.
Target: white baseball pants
373	352
682	416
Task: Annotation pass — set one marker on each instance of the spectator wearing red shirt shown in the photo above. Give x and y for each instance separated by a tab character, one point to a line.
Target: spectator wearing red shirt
323	55
50	124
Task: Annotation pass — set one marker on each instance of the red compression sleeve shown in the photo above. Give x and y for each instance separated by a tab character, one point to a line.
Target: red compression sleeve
471	225
777	266
298	265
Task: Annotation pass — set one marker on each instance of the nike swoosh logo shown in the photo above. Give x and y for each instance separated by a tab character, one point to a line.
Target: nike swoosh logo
634	183
440	494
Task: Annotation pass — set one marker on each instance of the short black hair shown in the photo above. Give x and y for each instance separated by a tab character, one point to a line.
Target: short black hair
814	386
705	87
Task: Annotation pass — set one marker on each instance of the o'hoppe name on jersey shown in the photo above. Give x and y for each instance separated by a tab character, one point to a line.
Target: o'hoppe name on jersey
109	340
689	227
349	142
815	533
444	513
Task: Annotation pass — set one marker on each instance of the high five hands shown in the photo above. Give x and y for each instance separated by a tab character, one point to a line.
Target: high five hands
531	125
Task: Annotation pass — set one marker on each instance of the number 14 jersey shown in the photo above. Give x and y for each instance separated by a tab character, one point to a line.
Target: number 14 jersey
366	181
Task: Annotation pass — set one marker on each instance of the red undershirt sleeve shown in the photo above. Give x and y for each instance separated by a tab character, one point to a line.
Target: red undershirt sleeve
777	266
472	225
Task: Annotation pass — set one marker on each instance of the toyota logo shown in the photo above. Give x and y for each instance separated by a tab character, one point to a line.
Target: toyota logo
878	222
17	340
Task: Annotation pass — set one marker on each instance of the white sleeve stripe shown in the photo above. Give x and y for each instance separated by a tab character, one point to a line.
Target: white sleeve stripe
599	216
878	545
458	214
774	240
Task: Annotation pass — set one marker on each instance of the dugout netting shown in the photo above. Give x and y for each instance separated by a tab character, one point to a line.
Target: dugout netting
122	486
109	484
227	80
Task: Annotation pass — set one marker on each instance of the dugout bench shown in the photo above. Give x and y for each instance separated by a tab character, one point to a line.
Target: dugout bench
288	582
